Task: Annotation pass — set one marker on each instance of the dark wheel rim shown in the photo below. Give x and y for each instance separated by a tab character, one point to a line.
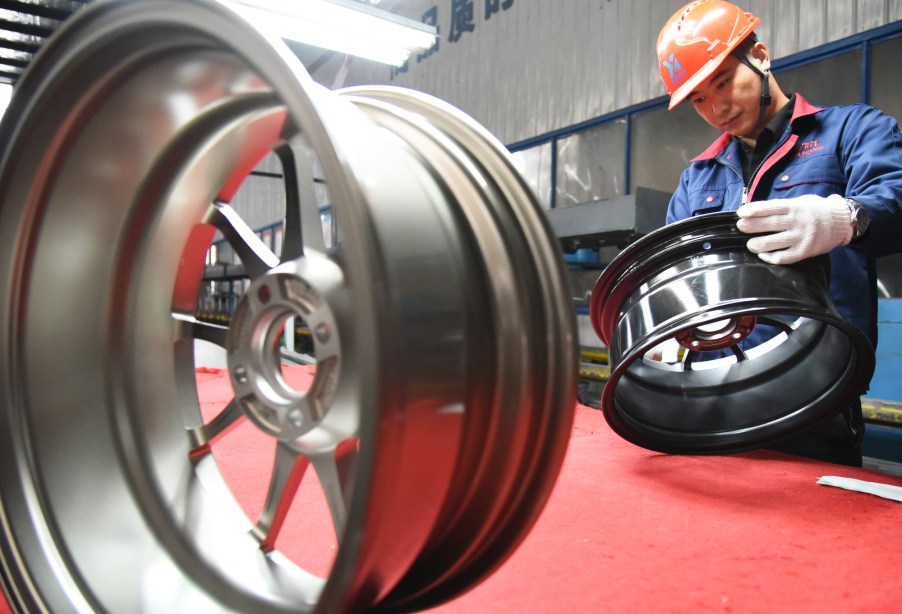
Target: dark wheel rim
444	389
761	352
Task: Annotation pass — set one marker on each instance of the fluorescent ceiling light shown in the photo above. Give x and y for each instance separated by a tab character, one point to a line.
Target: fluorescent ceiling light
354	28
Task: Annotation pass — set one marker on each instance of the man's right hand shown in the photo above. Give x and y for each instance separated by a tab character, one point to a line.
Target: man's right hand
801	227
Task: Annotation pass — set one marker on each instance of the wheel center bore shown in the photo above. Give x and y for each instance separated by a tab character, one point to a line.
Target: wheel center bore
717	335
291	290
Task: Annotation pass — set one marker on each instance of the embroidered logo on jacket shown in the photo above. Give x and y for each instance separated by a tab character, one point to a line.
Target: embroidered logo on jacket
808	147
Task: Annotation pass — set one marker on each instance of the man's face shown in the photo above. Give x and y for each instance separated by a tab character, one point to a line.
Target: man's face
730	99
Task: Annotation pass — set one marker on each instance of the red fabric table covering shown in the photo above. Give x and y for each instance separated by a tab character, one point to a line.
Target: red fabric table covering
629	530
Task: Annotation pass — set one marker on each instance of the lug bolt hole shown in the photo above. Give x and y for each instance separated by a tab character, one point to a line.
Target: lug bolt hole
263	294
322	332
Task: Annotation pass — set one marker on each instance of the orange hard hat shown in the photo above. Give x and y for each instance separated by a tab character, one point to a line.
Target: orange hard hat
696	40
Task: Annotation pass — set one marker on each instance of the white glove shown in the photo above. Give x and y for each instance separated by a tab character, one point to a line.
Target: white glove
667	351
803	227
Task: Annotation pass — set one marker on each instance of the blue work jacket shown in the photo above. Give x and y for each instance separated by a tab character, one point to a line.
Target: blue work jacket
853	150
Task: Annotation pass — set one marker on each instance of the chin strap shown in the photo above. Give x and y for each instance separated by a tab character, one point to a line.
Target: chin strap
765	87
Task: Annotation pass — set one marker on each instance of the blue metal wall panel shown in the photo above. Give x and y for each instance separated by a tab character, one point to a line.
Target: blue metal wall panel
882	442
887	381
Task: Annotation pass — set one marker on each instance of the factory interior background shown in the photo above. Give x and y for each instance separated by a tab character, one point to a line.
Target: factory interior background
585	117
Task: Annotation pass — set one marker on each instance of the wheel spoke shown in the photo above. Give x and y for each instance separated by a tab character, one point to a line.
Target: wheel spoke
302	223
255	255
777	323
738	353
288	470
334	469
203	437
688	358
346	462
191	327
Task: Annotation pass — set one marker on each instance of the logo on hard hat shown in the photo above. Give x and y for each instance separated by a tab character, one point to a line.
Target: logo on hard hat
676	71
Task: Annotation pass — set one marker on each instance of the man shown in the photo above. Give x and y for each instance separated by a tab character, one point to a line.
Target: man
819	180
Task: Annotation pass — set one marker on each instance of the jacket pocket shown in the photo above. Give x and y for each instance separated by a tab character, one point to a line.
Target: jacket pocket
709	200
810	175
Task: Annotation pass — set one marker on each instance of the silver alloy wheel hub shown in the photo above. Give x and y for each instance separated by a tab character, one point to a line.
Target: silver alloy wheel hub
445	378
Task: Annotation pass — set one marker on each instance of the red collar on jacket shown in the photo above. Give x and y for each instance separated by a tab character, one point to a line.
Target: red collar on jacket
802	108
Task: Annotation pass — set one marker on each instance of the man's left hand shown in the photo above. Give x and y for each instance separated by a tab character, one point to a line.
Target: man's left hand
802	227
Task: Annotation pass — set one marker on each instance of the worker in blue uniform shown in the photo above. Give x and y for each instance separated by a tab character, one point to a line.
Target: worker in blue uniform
816	180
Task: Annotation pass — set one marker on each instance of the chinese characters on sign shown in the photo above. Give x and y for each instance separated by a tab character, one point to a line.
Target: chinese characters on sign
493	6
462	20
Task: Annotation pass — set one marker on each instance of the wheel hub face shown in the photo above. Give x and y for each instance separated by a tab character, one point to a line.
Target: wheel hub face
293	290
439	409
758	352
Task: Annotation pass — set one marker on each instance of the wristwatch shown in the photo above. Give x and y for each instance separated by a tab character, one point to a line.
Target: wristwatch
858	218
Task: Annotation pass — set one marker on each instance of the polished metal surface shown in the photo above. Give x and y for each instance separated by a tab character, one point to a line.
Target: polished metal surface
443	395
713	350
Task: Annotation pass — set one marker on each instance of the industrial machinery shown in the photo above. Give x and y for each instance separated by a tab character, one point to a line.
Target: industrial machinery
444	387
